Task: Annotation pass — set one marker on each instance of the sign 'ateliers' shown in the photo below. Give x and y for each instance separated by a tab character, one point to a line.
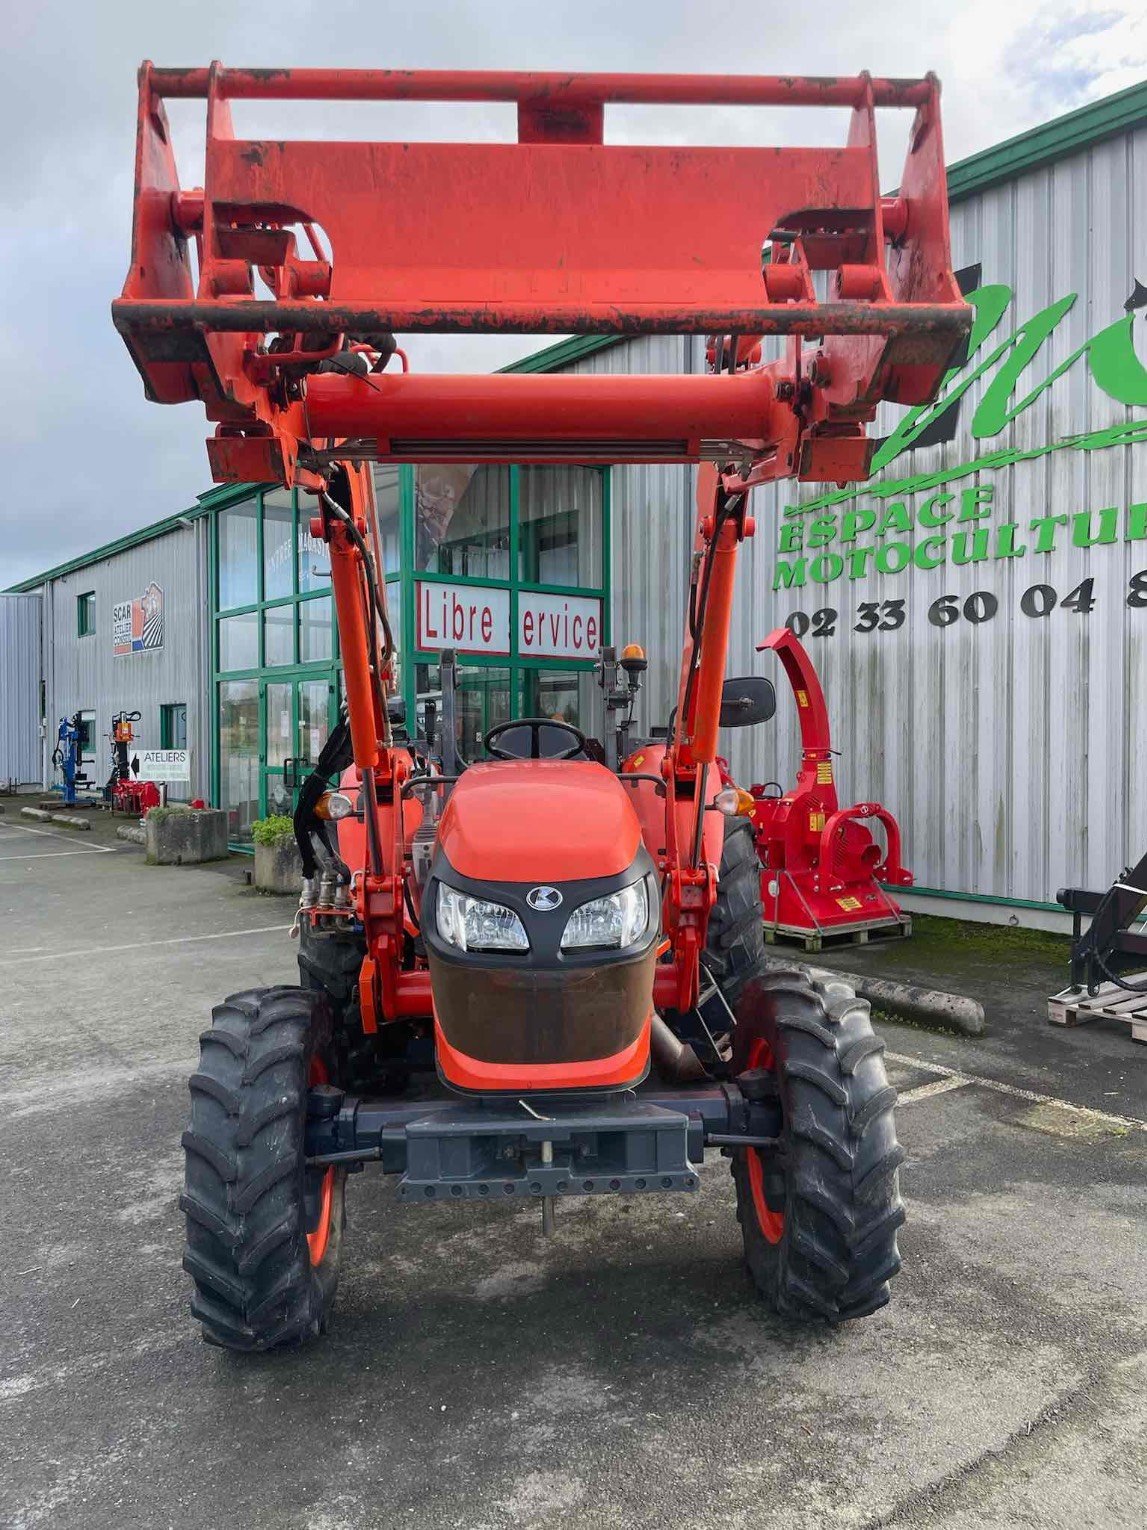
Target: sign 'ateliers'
476	619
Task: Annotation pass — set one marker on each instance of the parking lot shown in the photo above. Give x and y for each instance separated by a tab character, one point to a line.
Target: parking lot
475	1376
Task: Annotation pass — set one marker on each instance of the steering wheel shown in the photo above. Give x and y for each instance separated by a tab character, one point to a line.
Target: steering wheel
543	734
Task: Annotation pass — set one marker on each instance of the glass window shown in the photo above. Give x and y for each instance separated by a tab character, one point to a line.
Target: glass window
462	520
86	613
173	735
279	728
279	799
314	556
239	641
239	755
314	717
173	725
316	641
278	636
559	517
427	687
386	498
239	555
483	700
563	694
87	730
278	539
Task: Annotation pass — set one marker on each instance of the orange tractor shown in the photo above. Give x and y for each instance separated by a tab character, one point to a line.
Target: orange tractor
510	968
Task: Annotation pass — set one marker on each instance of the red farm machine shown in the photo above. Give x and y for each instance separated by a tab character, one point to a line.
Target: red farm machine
824	875
502	962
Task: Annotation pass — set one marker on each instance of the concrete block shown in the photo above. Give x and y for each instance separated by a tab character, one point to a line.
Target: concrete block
279	868
186	836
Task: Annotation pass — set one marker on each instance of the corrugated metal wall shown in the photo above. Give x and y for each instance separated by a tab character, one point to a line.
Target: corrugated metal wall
1010	748
83	673
21	750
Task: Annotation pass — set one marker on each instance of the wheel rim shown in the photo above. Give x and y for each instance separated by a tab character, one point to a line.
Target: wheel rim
771	1223
318	1240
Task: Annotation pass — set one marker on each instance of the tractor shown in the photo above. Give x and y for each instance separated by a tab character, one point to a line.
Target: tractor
538	974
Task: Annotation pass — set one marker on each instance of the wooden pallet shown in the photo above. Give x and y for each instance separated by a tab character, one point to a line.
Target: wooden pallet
1075	1006
840	935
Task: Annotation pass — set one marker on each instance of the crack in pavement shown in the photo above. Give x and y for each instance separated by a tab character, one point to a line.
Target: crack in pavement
932	1495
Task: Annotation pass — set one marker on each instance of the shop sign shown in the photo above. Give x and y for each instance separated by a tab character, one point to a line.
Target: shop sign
137	625
907	523
558	626
471	618
161	764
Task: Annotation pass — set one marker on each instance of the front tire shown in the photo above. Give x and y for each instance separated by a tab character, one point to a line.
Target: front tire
735	941
819	1219
264	1232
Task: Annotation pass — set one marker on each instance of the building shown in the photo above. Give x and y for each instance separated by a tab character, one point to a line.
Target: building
217	626
977	610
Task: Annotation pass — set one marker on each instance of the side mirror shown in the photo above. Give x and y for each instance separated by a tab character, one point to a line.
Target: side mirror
750	699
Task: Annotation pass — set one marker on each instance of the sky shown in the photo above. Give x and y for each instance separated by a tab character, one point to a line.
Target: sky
91	459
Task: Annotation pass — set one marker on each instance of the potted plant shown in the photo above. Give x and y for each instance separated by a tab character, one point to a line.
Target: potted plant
278	867
182	835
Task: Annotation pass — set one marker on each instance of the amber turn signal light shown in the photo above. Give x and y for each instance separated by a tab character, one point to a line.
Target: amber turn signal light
334	805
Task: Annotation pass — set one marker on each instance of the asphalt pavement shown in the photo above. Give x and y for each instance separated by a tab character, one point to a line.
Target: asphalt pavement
476	1376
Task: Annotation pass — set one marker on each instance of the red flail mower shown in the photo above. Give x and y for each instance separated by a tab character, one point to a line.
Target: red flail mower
824	875
538	974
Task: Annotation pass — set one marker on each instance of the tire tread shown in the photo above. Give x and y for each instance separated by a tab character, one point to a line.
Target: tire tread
838	1251
246	1251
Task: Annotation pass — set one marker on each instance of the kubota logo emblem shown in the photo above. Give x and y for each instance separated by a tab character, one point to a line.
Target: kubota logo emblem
543	899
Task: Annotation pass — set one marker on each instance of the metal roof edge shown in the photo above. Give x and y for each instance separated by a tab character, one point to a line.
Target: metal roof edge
563	352
1052	140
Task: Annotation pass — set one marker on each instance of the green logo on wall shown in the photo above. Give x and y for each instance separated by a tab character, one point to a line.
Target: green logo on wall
820	543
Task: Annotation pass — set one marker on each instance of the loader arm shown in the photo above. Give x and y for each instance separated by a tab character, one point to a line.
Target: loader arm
311	256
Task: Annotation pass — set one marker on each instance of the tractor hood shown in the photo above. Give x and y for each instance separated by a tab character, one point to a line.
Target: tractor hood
539	821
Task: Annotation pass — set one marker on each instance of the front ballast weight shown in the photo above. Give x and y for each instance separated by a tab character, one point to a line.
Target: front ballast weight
504	1149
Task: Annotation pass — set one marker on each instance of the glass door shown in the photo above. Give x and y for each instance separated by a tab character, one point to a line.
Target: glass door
239	756
297	719
315	706
483	701
566	695
279	725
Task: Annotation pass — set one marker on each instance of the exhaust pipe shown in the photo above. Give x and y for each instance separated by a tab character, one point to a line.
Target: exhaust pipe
676	1060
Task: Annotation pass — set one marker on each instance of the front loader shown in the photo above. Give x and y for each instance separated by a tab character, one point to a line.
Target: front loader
538	974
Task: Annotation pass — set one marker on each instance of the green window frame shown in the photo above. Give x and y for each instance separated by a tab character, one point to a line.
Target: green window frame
409	576
86	614
279	616
282	636
400	589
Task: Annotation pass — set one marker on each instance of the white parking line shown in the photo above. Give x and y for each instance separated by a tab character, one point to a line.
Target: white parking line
952	1078
141	945
928	1091
55	855
54	834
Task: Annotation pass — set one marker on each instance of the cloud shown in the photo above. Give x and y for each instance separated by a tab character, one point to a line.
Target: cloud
1072	53
88	459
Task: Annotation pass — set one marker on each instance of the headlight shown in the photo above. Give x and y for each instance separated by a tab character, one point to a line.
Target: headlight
472	924
614	922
